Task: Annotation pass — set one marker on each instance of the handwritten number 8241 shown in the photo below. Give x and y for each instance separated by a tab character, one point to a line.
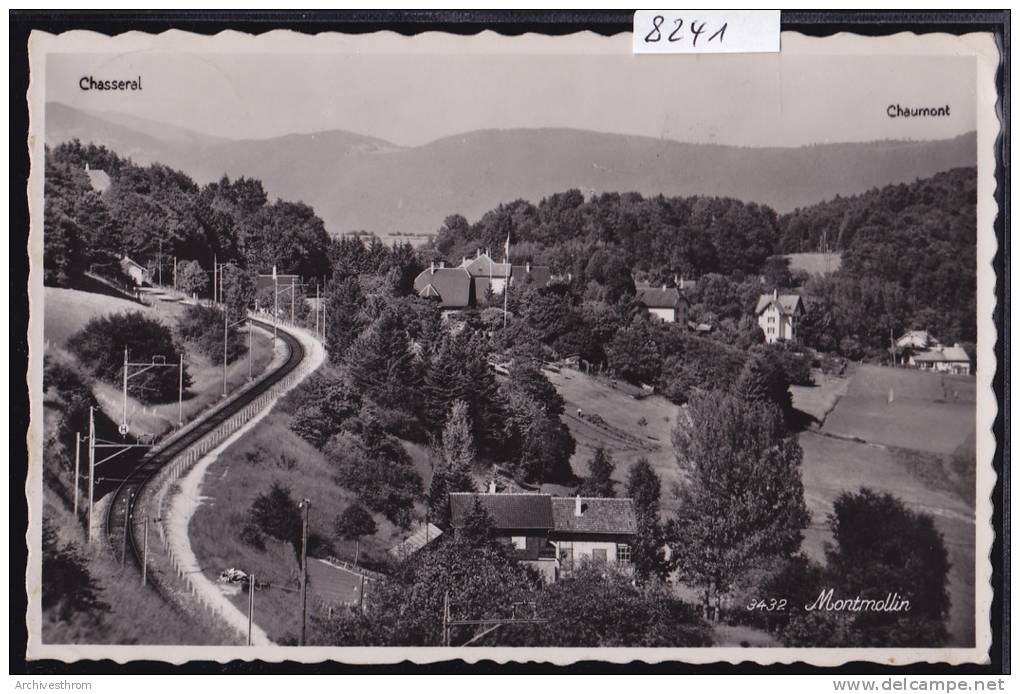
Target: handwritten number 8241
696	29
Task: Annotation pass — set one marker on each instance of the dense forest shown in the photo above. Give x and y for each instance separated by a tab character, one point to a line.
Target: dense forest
154	211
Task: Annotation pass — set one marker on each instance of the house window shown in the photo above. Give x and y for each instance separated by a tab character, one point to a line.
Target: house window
519	542
599	555
623	553
567	558
772	319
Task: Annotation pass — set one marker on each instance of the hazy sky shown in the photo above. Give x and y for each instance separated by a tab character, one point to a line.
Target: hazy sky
757	100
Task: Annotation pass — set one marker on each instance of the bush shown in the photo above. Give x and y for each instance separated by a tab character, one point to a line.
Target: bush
100	347
202	326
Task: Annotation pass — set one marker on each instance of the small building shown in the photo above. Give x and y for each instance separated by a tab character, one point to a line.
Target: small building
916	340
951	360
98	179
138	273
554	534
465	286
419	539
778	315
668	304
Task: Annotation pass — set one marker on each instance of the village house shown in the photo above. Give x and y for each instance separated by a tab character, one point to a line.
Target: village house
778	315
138	273
668	304
465	286
950	360
554	534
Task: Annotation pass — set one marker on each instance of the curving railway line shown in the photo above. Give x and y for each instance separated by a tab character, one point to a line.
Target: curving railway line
130	489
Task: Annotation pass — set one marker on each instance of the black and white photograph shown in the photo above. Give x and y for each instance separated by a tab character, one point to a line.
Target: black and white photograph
373	348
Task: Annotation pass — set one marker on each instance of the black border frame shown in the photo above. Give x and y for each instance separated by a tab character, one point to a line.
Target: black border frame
507	22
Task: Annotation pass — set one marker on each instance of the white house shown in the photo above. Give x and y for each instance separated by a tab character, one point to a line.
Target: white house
951	360
778	315
139	274
668	304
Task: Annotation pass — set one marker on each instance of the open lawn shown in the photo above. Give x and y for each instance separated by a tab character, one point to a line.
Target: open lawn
905	408
901	448
66	311
819	399
815	263
270	453
619	431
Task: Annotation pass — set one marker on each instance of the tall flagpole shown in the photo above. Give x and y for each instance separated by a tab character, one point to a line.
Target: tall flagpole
506	282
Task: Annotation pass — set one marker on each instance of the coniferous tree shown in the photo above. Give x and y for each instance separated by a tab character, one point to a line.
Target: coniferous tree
599	482
458	450
344	305
648	550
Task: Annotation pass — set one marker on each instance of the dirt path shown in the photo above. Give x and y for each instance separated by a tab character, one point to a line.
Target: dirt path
189	497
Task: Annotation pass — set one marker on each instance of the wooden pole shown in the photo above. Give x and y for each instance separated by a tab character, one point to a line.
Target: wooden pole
305	504
180	392
145	550
251	604
249	350
124	422
127	521
77	458
361	595
317	305
92	465
446	619
214	293
225	314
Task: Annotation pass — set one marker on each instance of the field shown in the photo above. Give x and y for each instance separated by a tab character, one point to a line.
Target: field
855	448
66	311
272	453
620	432
815	263
927	412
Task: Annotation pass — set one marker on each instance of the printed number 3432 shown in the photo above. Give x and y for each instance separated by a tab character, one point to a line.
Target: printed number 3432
772	605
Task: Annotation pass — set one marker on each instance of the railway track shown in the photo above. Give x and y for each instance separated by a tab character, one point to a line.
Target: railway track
120	514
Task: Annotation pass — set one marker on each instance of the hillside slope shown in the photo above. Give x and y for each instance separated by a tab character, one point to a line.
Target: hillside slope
358	182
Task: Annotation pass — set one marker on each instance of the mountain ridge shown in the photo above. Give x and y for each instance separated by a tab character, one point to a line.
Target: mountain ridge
360	182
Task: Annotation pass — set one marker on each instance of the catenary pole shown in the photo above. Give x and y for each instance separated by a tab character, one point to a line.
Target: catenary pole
180	392
305	504
92	465
225	315
127	521
145	550
251	604
124	421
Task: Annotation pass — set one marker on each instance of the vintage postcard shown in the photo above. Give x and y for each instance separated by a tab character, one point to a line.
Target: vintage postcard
372	348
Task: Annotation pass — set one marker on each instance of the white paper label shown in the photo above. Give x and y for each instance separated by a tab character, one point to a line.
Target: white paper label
706	31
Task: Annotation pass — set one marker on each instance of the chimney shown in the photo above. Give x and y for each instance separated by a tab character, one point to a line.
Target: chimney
478	252
86	166
463	260
577	506
663	286
775	293
527	267
492	486
432	267
442	263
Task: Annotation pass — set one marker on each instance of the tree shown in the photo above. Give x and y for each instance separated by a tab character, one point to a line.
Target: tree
345	303
880	546
276	514
67	586
479	528
101	344
458	450
353	524
599	482
634	355
648	550
202	326
191	278
598	606
763	380
381	367
741	496
238	287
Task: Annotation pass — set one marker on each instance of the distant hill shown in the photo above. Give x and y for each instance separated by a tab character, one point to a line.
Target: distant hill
358	182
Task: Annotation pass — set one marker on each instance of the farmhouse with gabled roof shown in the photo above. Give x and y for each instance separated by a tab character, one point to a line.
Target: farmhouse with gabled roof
462	287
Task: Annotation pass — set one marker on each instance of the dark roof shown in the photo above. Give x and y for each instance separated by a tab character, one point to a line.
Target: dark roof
788	303
538	275
598	516
508	511
452	286
953	354
659	297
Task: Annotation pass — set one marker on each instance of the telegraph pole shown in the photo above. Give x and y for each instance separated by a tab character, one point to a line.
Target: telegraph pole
180	393
127	522
305	504
161	263
251	603
317	309
225	314
292	285
276	303
77	458
92	464
249	349
145	550
124	420
214	266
